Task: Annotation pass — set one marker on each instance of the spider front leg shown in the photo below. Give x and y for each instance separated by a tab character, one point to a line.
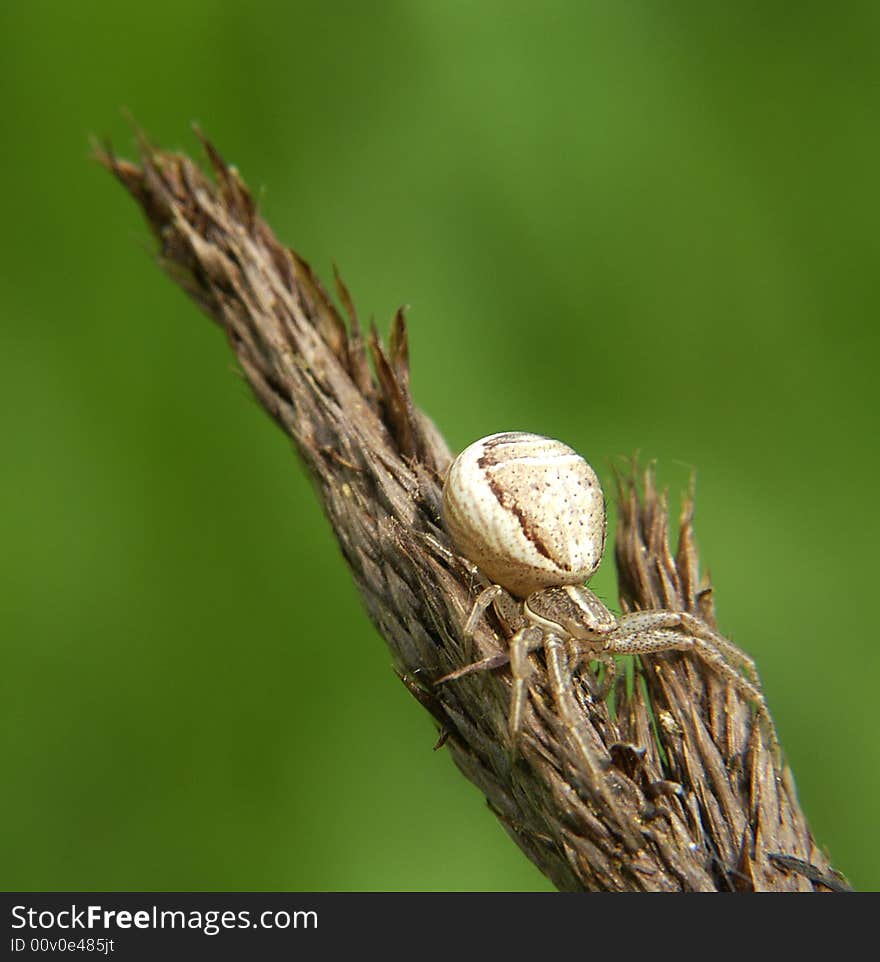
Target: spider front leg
637	621
651	632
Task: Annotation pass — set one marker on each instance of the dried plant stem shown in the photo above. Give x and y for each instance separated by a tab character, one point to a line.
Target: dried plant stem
677	790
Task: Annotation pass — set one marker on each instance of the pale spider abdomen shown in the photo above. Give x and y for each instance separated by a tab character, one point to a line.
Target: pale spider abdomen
527	510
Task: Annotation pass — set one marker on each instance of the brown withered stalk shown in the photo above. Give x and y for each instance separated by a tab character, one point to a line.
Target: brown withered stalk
690	798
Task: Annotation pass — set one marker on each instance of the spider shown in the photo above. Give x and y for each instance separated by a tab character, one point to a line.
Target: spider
529	514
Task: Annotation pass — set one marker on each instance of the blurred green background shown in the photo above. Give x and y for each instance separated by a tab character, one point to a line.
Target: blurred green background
634	226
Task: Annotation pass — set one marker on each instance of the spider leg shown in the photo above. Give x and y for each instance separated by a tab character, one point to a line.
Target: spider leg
699	629
486	664
487	597
636	639
484	600
580	655
610	674
526	640
562	688
637	621
563	694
